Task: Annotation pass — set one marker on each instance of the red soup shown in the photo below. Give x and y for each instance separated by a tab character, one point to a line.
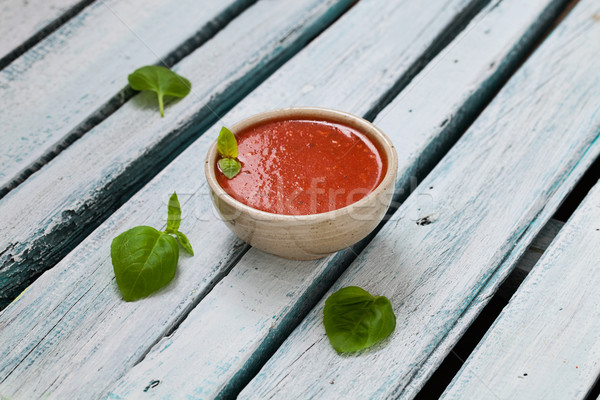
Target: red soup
303	167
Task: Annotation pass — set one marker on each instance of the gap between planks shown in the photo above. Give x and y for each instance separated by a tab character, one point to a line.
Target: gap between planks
554	312
441	378
35	33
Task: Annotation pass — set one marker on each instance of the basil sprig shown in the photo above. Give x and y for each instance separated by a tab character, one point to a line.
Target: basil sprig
145	259
228	150
161	80
173	222
355	320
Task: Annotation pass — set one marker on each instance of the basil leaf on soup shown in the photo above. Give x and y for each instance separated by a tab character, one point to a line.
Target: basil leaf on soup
160	80
144	260
226	144
355	320
229	167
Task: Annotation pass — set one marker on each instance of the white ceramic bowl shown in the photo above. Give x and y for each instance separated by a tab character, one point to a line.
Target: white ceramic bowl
315	235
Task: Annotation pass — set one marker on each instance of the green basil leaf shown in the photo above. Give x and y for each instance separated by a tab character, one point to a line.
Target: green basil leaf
185	243
144	260
355	320
174	216
161	80
226	144
229	167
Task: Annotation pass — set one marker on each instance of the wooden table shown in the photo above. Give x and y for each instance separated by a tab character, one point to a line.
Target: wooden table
494	109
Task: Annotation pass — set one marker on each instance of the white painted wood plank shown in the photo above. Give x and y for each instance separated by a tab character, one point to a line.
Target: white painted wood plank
545	342
489	197
63	85
240	323
79	335
61	198
20	20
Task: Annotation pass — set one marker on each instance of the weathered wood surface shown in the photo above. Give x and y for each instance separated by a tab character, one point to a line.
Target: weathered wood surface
76	76
490	196
243	319
24	22
79	334
135	141
544	344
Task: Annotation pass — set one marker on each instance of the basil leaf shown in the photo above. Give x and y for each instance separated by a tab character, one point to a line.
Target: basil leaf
185	243
144	260
355	320
174	216
226	144
229	167
161	80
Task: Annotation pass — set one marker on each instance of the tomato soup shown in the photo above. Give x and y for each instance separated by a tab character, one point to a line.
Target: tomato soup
300	167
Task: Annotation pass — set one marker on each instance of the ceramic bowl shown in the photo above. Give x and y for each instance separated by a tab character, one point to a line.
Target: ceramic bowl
310	236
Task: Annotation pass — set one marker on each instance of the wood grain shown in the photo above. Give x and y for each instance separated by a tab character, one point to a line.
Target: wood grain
63	86
79	335
60	205
488	199
545	342
235	329
23	23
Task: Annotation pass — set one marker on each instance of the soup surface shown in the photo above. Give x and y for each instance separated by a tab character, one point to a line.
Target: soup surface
300	167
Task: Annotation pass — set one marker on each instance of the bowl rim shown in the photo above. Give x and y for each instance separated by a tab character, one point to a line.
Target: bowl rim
318	113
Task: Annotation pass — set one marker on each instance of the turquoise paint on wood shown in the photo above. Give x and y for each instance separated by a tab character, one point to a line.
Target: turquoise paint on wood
63	86
73	314
545	342
243	319
489	197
